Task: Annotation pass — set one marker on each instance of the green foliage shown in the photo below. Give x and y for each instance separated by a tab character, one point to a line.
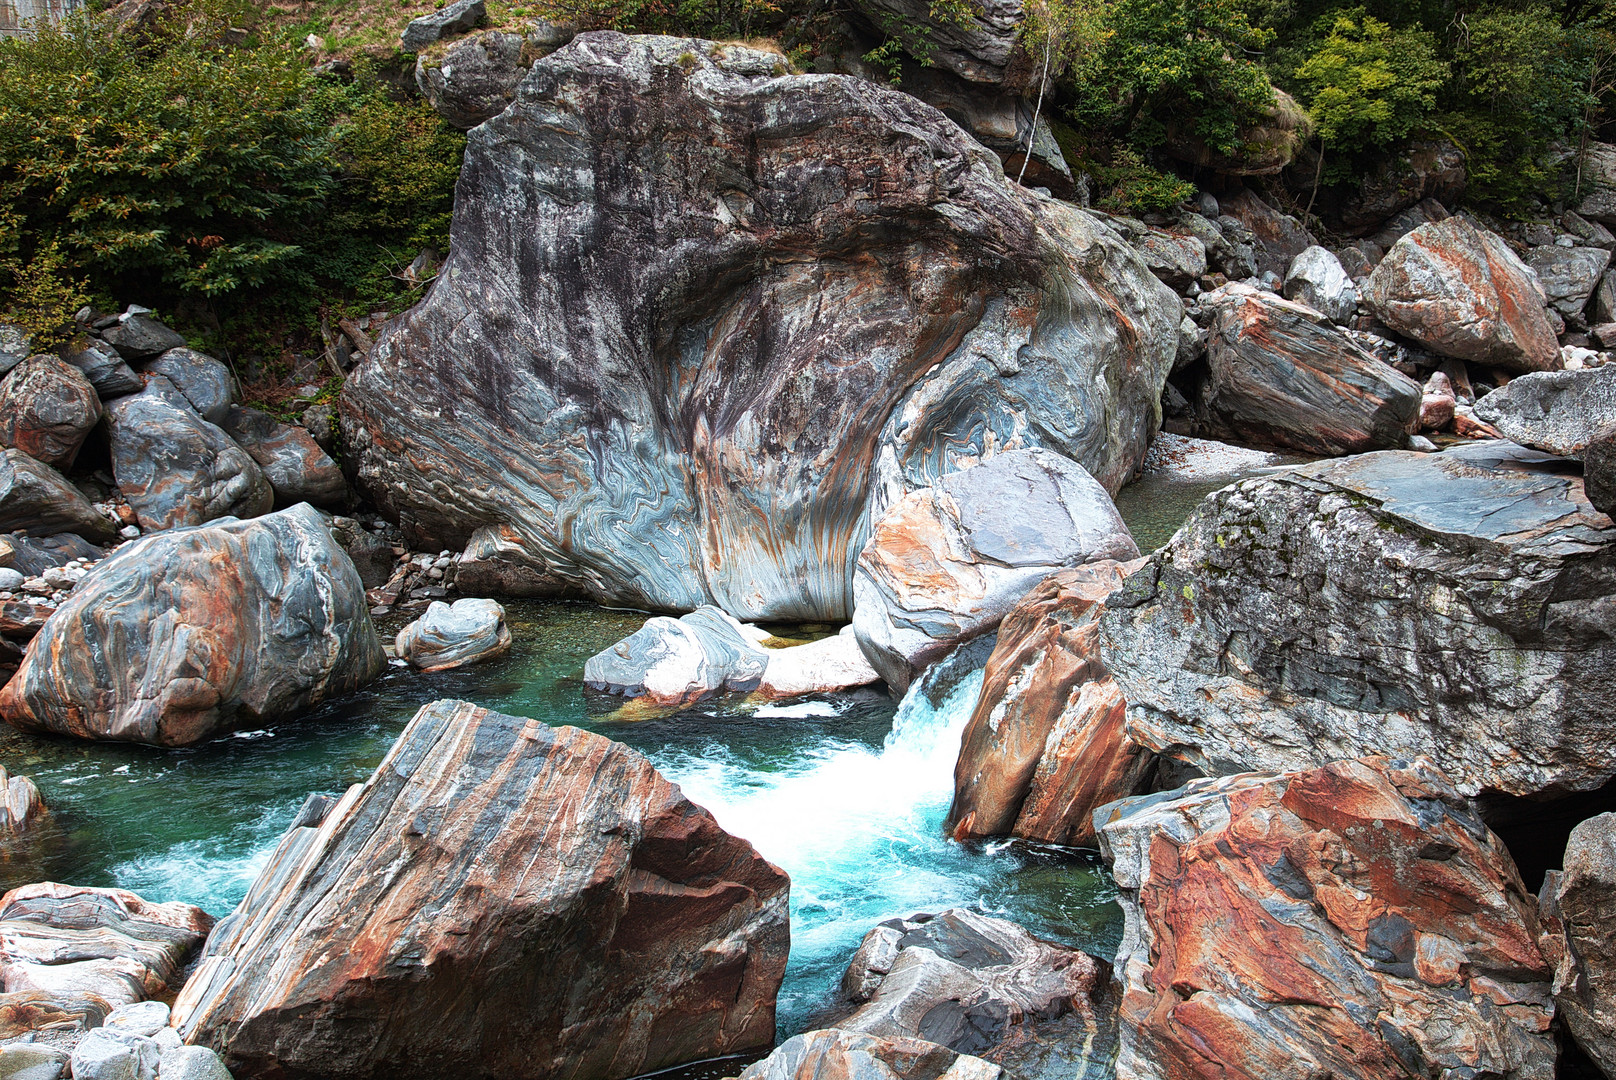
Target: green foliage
1370	85
43	297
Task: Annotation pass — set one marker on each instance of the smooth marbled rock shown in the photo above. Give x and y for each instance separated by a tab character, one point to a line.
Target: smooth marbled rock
145	1018
1559	412
293	463
33	555
191	1063
803	296
456	18
1460	291
946	563
47	407
1352	920
981	47
1043	691
982	986
500	898
1281	374
107	371
1455	605
137	337
496	563
177	469
1317	280
178	634
1568	276
20	804
832	663
69	956
830	1054
453	635
1579	937
36	499
204	382
679	661
32	1061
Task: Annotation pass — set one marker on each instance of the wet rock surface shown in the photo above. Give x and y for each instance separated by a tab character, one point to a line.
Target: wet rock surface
1452	604
1559	412
183	632
47	408
1352	920
1579	938
20	804
678	661
831	1054
627	931
454	635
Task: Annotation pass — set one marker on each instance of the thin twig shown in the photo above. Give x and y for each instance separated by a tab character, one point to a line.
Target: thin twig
1032	135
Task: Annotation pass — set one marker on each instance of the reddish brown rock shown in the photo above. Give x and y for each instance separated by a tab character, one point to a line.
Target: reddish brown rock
1356	920
500	898
47	407
20	804
20	620
1437	402
1088	761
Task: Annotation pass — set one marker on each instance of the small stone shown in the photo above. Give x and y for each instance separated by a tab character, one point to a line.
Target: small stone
108	1054
167	1039
130	532
193	1063
10	579
1421	443
140	1018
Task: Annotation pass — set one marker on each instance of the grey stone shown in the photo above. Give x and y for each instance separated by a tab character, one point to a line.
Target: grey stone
1569	275
1423	169
32	1061
456	18
36	499
982	47
1591	233
1559	412
33	555
680	661
105	1054
495	563
1316	278
105	369
454	635
475	79
138	338
10	579
371	554
1176	259
138	1018
15	346
1602	304
1579	922
1599	471
192	1063
205	382
293	463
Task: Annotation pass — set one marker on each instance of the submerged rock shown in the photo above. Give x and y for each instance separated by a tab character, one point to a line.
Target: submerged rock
1579	937
47	407
830	1054
1454	605
451	636
687	353
1353	920
945	564
36	499
831	663
178	634
499	898
1559	412
679	661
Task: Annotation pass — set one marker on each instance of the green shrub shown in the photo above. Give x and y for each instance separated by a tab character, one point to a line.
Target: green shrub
1370	85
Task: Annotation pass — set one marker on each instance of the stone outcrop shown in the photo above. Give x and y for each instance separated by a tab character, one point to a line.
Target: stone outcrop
1278	238
203	381
1316	279
477	76
1281	374
20	804
1559	412
69	956
687	353
499	898
1044	745
1428	169
981	47
448	636
455	18
945	564
176	468
36	499
178	634
1568	276
495	563
1460	291
1453	605
982	986
1352	920
293	463
47	407
831	1054
106	370
1578	905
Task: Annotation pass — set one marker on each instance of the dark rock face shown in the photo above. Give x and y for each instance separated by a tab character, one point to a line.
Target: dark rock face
293	463
36	499
47	407
205	382
831	1054
1579	938
1353	920
456	18
981	48
1454	605
944	565
687	351
1599	471
105	369
1559	412
982	986
1282	374
1568	276
499	898
137	337
1279	237
180	633
33	555
475	79
175	468
1424	170
1004	122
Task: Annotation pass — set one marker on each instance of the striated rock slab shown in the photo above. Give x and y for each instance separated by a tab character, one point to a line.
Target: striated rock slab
1352	920
1279	238
1046	674
69	955
499	898
36	499
495	563
178	634
1455	605
454	635
1599	471
1281	374
1559	412
20	804
175	468
831	1054
1460	291
688	351
203	381
293	463
1578	905
946	564
679	661
47	408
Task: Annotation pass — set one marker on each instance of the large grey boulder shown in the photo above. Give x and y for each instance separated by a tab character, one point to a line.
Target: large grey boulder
1455	605
293	463
1579	939
679	661
1559	412
982	46
674	380
1276	238
36	499
107	371
946	564
178	634
1316	278
108	1054
47	408
1569	276
139	337
204	382
455	18
454	635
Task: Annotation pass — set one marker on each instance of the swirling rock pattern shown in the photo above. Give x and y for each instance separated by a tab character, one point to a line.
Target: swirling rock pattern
1455	605
1353	920
500	898
180	633
36	499
47	407
293	463
830	1054
679	661
454	635
702	321
1579	937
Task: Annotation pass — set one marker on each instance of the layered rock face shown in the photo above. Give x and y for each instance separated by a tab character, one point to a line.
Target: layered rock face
20	804
1454	605
47	407
945	564
1579	939
831	1054
1354	920
180	633
499	898
1560	412
702	323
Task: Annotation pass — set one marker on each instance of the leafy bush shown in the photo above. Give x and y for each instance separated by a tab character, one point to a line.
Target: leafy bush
1370	85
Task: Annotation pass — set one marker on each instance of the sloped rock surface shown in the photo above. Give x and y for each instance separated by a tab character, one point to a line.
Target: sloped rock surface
832	663
679	661
454	18
1455	605
1559	412
36	499
1353	920
454	635
180	633
1279	238
47	407
945	564
106	370
205	382
1579	937
830	1054
499	898
1460	291
139	337
688	351
33	555
293	463
982	47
